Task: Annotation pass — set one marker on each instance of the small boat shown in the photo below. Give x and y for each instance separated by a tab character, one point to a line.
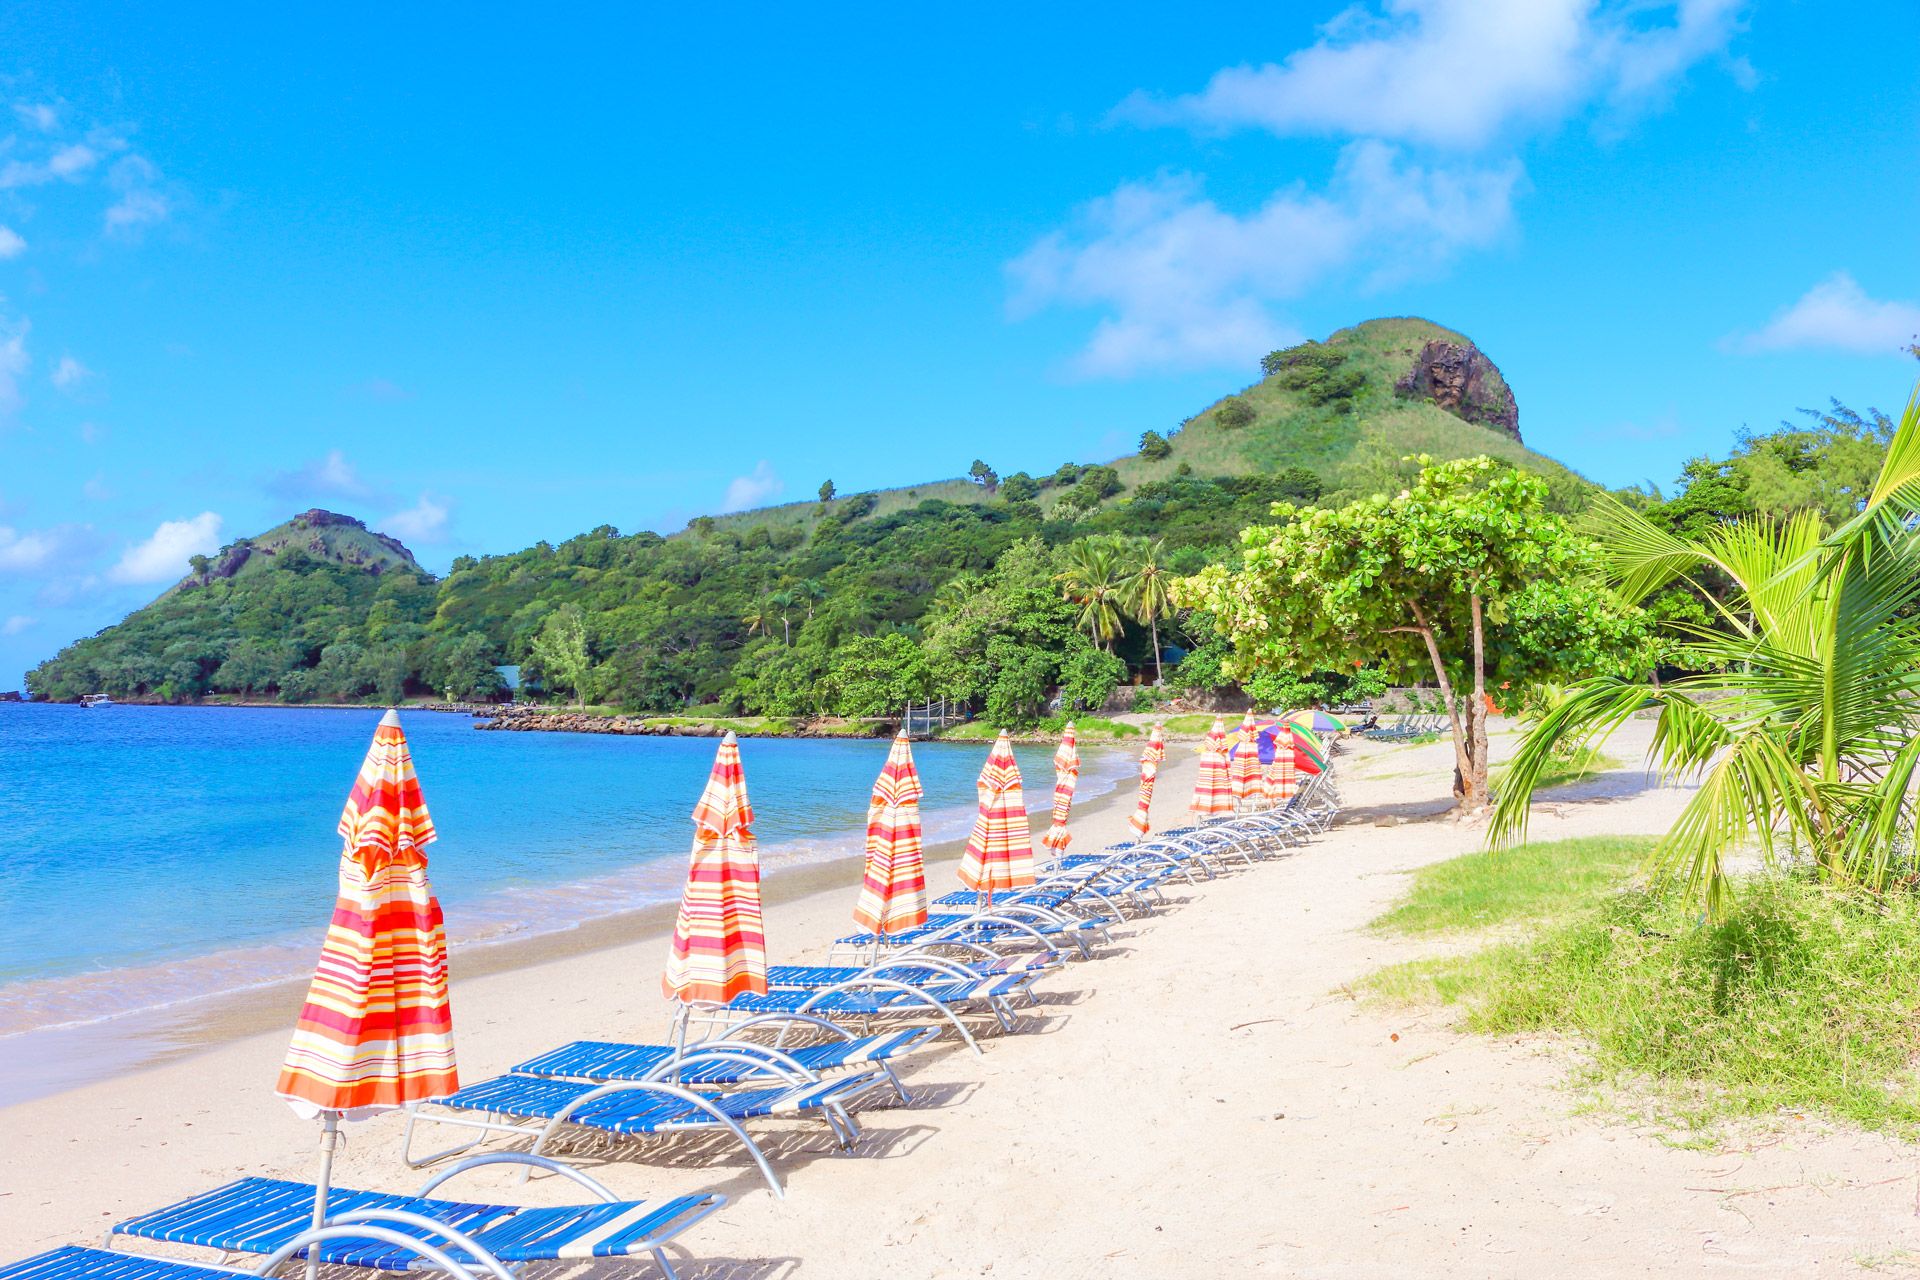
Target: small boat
96	700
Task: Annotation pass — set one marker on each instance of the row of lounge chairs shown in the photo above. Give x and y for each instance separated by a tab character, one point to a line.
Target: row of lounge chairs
789	1053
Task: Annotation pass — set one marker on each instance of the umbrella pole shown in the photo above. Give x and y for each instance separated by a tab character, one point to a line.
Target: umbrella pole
329	1139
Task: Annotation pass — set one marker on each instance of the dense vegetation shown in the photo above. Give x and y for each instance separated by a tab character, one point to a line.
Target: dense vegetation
1002	590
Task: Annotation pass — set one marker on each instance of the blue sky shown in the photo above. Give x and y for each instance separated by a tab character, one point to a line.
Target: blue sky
484	278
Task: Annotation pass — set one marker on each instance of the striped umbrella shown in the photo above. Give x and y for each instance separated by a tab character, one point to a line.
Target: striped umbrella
376	1031
719	944
1212	790
1316	721
1309	749
893	895
1243	768
1066	776
1000	849
1282	777
1150	758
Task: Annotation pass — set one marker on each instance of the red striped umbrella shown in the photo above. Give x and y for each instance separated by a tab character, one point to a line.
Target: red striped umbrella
1066	776
1150	759
376	1031
893	895
1000	849
1212	789
719	944
1282	777
1243	769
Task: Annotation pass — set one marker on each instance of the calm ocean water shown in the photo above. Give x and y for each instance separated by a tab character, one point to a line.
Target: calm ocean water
155	855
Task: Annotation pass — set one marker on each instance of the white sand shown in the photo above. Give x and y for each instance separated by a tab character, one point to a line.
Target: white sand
1205	1100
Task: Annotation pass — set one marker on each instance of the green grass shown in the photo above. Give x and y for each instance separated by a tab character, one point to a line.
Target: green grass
1804	999
1190	724
1086	729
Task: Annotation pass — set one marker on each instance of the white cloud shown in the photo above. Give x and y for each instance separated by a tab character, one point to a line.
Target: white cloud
425	522
1185	283
755	489
14	625
12	245
14	363
1459	73
135	211
37	115
71	162
1836	315
164	555
330	477
96	489
70	373
29	551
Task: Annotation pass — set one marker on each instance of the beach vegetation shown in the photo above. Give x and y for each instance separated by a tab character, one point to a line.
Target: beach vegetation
1798	999
1800	723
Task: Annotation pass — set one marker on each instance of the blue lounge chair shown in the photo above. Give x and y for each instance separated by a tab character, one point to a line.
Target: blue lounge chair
269	1216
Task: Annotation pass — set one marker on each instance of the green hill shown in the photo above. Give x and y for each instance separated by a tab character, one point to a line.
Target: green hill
770	610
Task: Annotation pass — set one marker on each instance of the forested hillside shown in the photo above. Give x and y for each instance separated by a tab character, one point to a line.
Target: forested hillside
992	588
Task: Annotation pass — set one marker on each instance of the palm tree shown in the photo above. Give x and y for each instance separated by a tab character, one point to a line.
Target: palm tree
811	591
1092	581
759	621
783	602
1146	590
1809	744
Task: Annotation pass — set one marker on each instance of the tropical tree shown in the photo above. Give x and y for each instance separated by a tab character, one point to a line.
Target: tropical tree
1803	728
758	620
782	603
1462	577
1146	589
1092	580
560	651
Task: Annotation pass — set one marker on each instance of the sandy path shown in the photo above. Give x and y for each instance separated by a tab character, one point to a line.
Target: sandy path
1203	1101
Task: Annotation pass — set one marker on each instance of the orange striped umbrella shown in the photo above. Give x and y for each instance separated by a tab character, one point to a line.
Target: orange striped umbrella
1150	759
894	894
376	1031
1066	776
1243	769
1282	776
1212	789
1000	849
719	944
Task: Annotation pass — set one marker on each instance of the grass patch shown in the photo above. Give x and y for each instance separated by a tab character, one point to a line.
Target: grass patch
1086	729
1805	998
1532	882
1197	723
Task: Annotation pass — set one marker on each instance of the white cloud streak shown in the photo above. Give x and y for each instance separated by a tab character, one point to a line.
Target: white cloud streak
1836	315
1187	284
12	243
14	363
755	489
163	556
332	476
422	524
70	373
17	623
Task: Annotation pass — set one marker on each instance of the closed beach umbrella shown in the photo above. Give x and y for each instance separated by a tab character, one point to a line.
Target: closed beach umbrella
376	1031
1212	790
1066	776
893	896
1316	721
719	944
1243	768
1156	750
1282	775
1000	849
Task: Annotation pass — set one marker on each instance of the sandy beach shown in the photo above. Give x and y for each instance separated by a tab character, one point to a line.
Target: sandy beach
1206	1098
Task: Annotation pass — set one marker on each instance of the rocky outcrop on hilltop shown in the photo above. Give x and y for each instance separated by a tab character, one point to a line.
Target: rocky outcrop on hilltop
1459	378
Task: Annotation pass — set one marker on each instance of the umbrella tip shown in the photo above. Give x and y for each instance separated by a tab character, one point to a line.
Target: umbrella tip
391	720
729	738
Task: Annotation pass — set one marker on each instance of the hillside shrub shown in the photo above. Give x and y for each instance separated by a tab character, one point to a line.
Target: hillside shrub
1234	413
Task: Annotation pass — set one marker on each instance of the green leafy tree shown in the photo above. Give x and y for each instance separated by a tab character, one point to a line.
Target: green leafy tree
878	675
1088	676
983	475
1019	487
1423	583
826	492
1805	735
562	653
1234	413
1154	446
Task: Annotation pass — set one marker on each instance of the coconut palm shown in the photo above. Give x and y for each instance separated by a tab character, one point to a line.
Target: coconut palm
782	603
1804	731
759	622
1146	589
1091	580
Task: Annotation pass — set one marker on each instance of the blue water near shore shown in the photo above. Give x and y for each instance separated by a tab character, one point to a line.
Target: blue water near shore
157	854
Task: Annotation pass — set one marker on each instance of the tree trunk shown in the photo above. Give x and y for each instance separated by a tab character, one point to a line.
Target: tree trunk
1476	797
1462	761
1158	675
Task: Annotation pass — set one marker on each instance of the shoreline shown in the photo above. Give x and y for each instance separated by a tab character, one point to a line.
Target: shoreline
42	1062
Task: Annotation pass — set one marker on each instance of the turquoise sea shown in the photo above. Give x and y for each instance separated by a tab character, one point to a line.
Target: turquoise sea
155	855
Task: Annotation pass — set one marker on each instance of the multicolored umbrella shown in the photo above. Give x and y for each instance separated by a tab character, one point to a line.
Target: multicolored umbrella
376	1031
1212	789
1316	721
1150	758
1243	766
719	942
1000	849
1066	776
893	896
